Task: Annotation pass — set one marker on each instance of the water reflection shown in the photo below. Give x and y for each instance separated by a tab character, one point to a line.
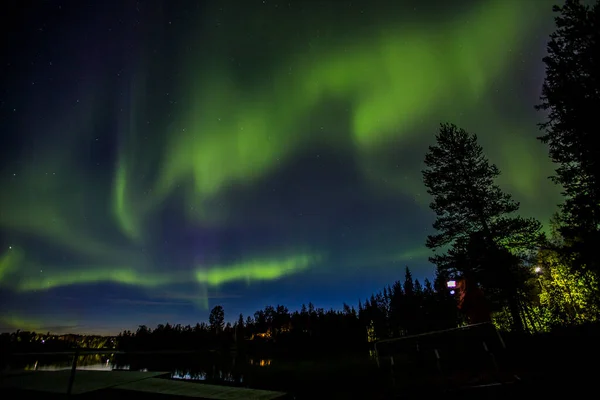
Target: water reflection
214	368
208	367
188	375
219	376
93	367
90	362
260	363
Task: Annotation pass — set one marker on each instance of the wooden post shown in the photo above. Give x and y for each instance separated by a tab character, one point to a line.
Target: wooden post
500	338
73	369
392	371
437	361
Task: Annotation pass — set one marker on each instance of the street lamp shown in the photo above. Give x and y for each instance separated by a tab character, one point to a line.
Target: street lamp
538	271
451	285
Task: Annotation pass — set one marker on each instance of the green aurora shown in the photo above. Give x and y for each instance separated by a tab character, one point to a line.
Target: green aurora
374	92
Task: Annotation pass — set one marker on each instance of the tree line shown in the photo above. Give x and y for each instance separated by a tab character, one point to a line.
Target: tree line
28	341
404	308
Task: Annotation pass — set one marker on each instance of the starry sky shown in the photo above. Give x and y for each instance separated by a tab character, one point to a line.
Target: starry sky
162	157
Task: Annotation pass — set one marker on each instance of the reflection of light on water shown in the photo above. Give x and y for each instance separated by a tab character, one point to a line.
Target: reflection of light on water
96	367
30	367
203	376
260	363
93	367
86	362
187	375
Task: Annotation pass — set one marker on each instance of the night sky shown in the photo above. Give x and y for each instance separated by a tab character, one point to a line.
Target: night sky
162	157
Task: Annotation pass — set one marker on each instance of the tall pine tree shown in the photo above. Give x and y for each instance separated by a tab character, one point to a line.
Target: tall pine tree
476	227
571	99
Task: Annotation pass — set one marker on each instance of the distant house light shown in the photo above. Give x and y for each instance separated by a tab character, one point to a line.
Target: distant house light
451	284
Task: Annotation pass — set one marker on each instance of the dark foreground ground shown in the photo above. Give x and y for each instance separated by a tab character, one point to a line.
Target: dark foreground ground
564	363
537	389
570	382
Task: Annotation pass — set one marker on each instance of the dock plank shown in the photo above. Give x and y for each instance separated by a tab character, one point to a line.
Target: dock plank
198	390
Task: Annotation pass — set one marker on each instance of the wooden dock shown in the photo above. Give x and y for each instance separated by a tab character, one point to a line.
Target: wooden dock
198	390
90	382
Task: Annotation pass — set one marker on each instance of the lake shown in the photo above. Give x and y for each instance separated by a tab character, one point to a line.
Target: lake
192	366
350	372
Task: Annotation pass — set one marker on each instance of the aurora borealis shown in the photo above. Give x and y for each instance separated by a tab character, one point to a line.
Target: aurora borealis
162	157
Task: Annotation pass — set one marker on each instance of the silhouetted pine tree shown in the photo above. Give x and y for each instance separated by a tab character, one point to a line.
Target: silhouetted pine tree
409	311
571	99
240	329
249	326
475	224
216	319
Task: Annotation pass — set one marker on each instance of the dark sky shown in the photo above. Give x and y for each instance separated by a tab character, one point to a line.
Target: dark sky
162	157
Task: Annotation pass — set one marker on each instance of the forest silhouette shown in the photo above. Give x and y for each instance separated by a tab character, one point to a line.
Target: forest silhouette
404	308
